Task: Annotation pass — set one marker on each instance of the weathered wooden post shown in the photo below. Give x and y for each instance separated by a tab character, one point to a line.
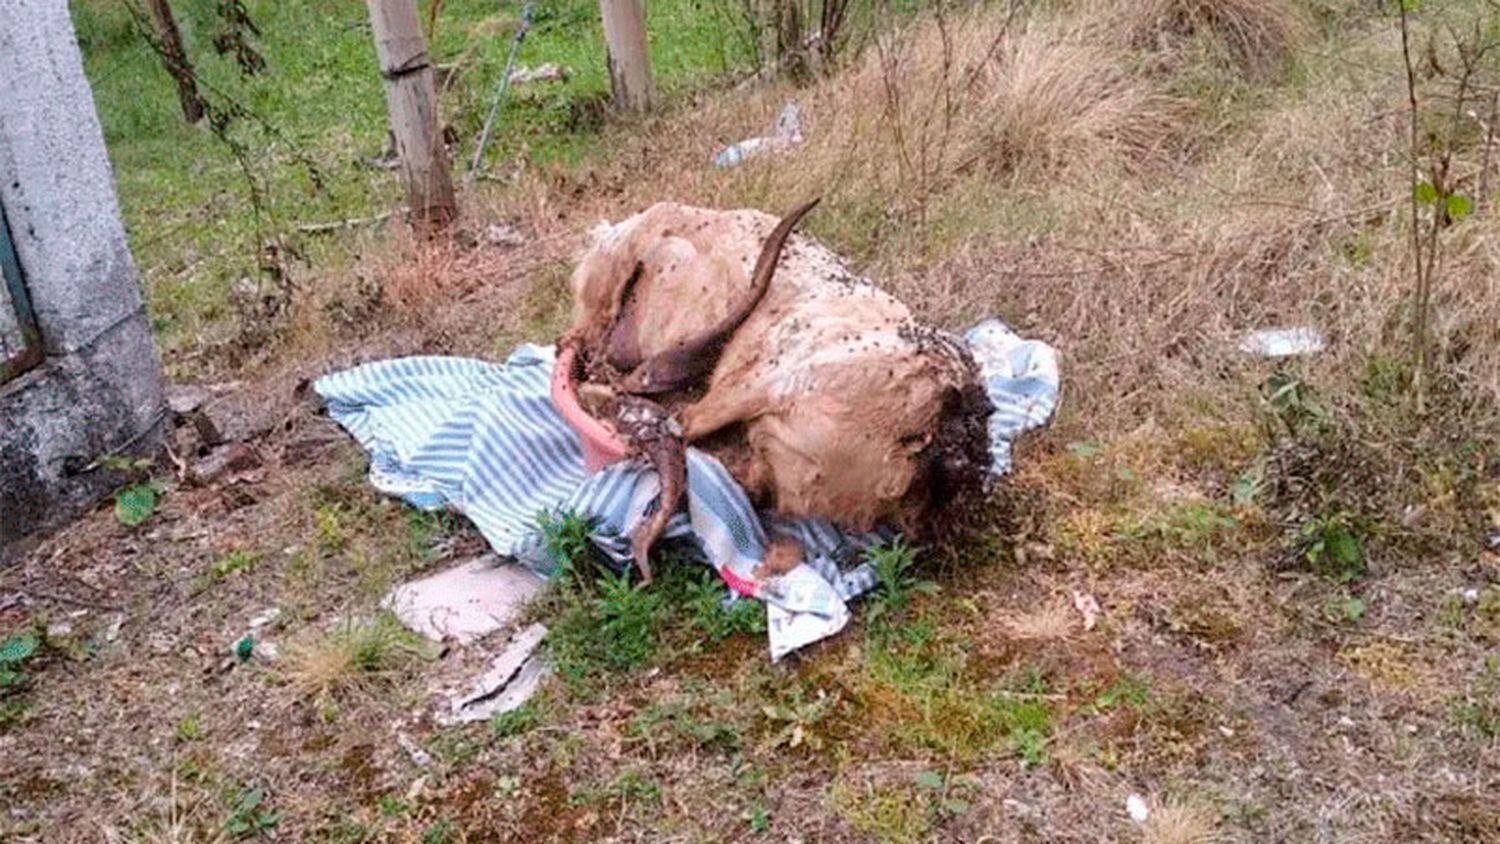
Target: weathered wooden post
411	98
176	60
629	59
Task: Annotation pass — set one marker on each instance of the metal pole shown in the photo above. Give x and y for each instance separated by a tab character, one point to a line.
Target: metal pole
489	120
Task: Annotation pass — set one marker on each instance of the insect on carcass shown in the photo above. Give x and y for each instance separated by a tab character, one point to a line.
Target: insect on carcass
819	392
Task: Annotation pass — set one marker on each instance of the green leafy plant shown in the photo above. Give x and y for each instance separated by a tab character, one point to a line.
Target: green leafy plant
1333	546
247	816
894	563
1456	72
629	612
234	561
1129	690
795	718
704	598
1346	609
1025	718
14	652
440	831
392	806
758	817
426	531
517	721
1295	403
566	538
136	503
945	792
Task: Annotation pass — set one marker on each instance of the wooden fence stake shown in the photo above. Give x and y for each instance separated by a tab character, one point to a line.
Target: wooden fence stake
629	59
411	97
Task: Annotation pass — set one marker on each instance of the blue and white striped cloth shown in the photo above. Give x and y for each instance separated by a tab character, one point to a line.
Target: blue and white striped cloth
484	439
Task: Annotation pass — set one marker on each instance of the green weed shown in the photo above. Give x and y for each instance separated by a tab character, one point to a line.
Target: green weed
794	719
426	529
189	728
1295	404
248	817
704	599
1476	713
1332	543
758	817
232	562
898	584
15	651
136	503
353	657
522	719
1344	609
659	722
441	831
1129	690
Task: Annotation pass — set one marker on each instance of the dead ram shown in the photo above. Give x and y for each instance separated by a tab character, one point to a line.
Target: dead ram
819	392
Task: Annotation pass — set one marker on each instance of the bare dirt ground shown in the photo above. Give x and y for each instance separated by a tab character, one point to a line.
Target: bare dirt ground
1298	612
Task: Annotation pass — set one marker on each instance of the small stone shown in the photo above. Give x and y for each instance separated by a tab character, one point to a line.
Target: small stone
1346	722
414	791
1470	596
267	651
1226	732
419	757
1017	808
235	417
236	461
183	399
265	618
59	630
1136	806
503	236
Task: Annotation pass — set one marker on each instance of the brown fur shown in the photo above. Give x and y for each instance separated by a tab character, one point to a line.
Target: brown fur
829	400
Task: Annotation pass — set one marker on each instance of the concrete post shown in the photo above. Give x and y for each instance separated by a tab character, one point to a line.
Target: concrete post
98	390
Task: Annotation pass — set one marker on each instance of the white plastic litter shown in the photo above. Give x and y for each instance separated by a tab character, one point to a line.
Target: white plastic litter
1136	806
786	134
549	72
1282	342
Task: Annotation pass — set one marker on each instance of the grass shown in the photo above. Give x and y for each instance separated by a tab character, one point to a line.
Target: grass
317	113
602	622
355	657
1278	549
1176	822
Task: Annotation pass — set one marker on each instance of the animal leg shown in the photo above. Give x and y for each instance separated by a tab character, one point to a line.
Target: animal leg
659	438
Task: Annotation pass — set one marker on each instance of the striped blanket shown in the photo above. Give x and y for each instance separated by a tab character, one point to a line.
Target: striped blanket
484	439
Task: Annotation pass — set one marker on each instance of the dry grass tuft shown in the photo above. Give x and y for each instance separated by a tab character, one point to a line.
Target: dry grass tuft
352	658
987	93
1050	98
1257	33
1176	822
1053	620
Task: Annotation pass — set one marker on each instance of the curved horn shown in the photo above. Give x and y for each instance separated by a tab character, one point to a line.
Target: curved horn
695	357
